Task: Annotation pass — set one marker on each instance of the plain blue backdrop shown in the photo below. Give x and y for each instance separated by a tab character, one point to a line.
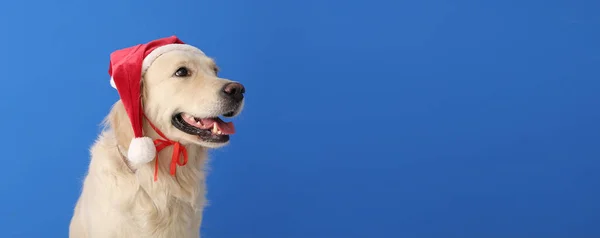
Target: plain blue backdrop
380	118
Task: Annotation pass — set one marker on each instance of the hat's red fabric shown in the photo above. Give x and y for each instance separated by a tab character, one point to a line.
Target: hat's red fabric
126	70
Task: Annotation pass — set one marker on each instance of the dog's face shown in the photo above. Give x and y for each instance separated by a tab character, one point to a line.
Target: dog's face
183	95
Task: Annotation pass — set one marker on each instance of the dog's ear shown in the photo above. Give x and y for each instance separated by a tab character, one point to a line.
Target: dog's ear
119	122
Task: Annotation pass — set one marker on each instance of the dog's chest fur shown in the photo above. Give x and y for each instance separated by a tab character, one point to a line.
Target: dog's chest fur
116	201
171	206
169	217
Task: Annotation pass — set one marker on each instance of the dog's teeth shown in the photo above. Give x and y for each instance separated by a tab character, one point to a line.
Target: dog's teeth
198	123
215	129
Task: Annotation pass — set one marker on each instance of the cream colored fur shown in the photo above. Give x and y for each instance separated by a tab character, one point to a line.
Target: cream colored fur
118	203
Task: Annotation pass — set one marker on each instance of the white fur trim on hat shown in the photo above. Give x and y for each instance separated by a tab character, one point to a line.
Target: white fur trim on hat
141	150
112	83
164	49
160	51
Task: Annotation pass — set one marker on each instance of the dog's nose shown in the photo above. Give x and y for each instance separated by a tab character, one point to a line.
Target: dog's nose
234	91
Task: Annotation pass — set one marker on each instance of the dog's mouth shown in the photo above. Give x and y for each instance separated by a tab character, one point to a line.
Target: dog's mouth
212	129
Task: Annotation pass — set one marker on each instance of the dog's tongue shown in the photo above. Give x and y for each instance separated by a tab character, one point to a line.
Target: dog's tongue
226	128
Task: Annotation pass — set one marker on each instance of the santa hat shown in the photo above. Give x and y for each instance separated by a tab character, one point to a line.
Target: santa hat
127	66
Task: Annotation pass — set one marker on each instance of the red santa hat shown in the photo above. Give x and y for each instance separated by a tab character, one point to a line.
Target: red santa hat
127	66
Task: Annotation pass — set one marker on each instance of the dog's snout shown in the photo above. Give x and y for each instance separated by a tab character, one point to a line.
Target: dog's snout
234	91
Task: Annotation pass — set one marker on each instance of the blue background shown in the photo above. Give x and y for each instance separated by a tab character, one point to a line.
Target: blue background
381	118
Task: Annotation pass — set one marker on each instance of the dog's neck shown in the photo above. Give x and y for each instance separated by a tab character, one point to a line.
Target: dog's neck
123	156
163	158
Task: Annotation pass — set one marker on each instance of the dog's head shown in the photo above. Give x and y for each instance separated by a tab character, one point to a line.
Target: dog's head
183	95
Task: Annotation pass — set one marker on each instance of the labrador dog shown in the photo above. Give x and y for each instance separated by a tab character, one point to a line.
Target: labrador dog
184	99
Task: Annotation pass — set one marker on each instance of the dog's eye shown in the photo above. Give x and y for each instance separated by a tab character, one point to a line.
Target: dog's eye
182	72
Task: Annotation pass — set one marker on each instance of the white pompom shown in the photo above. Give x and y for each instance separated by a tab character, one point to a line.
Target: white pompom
141	150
